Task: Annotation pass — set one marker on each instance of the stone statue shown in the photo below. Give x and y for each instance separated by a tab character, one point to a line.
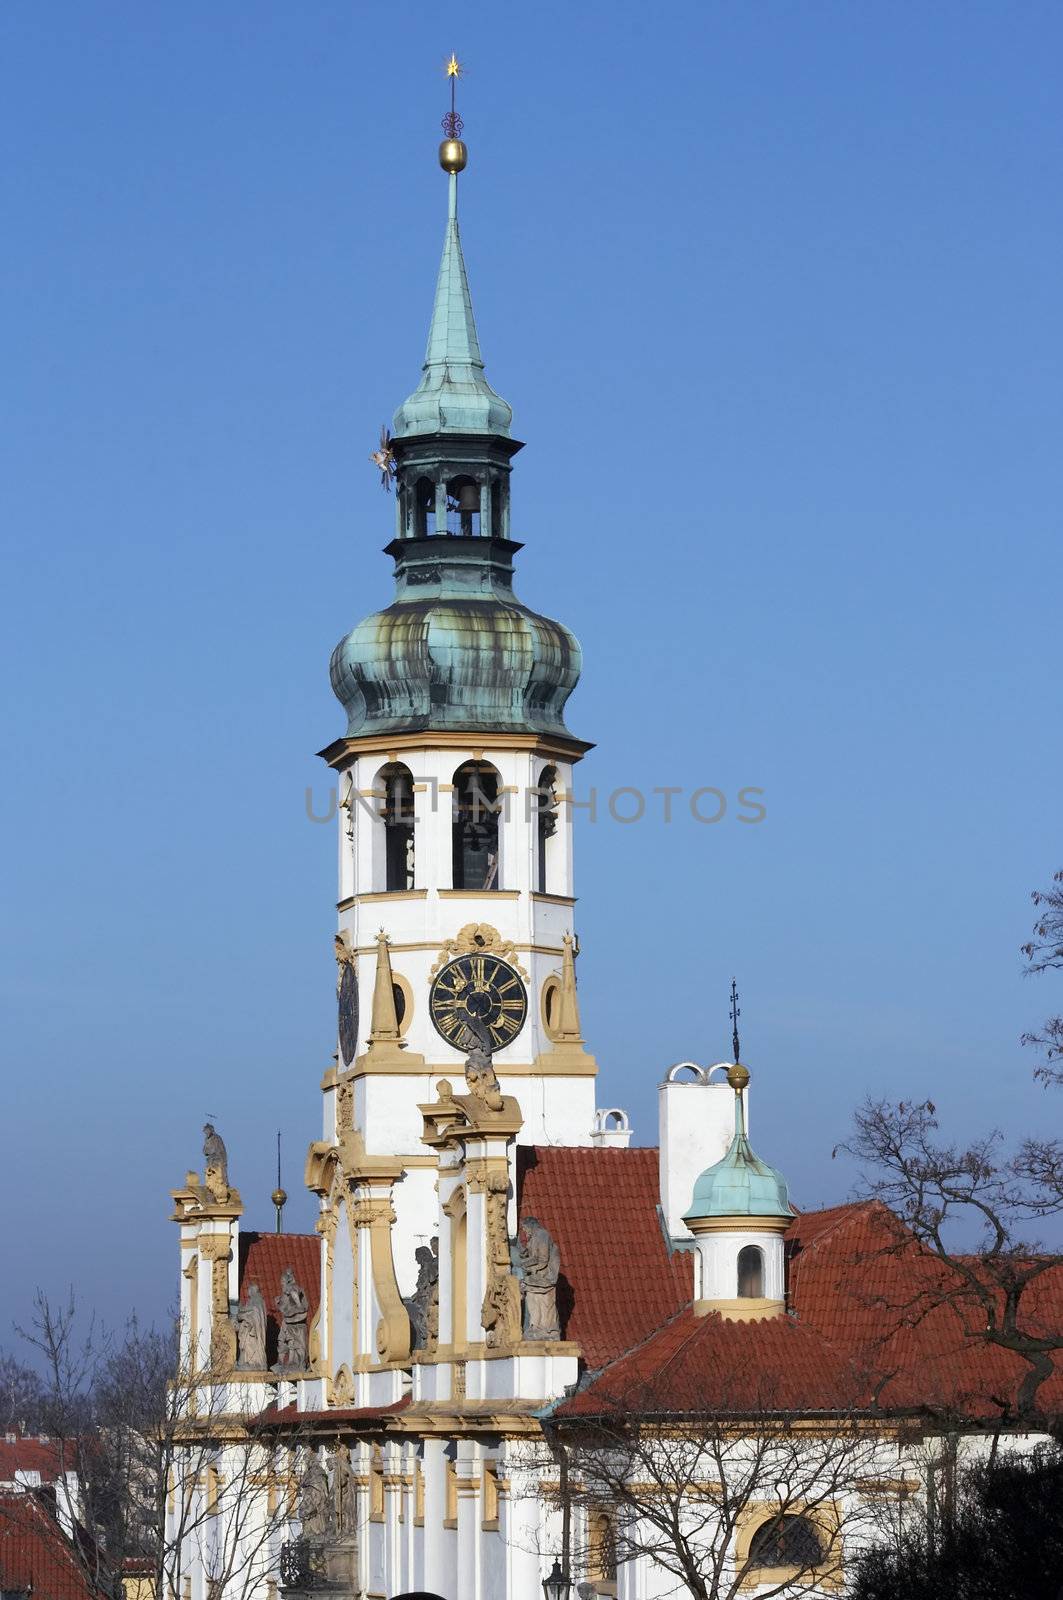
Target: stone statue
217	1159
250	1323
500	1312
480	1076
315	1502
294	1311
540	1264
419	1303
344	1492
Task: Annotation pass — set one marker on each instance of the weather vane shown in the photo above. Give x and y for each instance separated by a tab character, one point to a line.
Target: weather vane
735	1014
452	123
384	458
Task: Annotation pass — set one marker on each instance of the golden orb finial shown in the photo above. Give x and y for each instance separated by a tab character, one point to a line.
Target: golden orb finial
453	155
738	1077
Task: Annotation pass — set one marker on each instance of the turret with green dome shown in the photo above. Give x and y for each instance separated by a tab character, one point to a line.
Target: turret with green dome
738	1215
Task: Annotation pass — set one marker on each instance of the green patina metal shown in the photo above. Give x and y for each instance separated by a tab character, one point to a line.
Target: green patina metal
740	1185
456	650
453	395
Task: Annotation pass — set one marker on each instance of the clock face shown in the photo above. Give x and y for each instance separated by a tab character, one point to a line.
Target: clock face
348	1008
478	1000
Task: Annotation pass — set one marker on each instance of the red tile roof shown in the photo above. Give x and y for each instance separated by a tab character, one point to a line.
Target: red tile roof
876	1322
705	1364
36	1555
264	1256
28	1452
619	1279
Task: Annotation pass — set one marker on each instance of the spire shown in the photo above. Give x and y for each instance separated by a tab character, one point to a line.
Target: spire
452	337
453	395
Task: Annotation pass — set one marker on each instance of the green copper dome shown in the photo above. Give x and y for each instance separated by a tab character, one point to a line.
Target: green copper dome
740	1185
456	649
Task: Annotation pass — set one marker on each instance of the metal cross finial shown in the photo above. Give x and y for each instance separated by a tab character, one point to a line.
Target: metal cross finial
735	1014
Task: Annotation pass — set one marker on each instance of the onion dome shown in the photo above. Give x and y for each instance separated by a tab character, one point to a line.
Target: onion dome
456	649
739	1185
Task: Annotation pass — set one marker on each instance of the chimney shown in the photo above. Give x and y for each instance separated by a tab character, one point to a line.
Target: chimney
696	1120
611	1130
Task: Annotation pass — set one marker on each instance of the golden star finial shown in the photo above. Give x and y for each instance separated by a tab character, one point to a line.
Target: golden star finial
454	67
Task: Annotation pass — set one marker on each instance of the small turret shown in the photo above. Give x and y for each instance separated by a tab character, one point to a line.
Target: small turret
738	1213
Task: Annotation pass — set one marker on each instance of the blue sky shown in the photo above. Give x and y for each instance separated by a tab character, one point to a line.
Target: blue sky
773	290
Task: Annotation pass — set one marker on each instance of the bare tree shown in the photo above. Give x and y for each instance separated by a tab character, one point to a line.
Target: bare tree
716	1502
168	1465
977	1208
1045	952
21	1396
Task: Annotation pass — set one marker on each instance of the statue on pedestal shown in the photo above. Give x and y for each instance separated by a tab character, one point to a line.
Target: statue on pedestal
216	1176
344	1492
250	1324
294	1311
540	1265
418	1304
315	1502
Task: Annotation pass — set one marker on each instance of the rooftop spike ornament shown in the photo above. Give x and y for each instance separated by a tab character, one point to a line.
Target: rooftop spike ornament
735	1014
279	1197
452	152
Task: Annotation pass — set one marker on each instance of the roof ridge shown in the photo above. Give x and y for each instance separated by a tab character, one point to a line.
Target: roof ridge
848	1209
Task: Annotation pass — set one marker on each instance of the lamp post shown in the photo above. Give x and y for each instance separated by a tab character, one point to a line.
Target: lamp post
556	1585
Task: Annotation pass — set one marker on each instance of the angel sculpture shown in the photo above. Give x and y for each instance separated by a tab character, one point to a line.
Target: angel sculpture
384	458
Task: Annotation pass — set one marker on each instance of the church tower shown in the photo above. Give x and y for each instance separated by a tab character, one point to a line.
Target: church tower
455	773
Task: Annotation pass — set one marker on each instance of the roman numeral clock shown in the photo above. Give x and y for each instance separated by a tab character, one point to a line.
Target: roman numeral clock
478	1000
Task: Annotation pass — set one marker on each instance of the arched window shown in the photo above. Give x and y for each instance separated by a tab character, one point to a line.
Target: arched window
463	506
601	1541
546	828
786	1542
424	500
476	832
499	507
751	1273
396	815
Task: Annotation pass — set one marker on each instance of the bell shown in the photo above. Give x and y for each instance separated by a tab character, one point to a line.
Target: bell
469	497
